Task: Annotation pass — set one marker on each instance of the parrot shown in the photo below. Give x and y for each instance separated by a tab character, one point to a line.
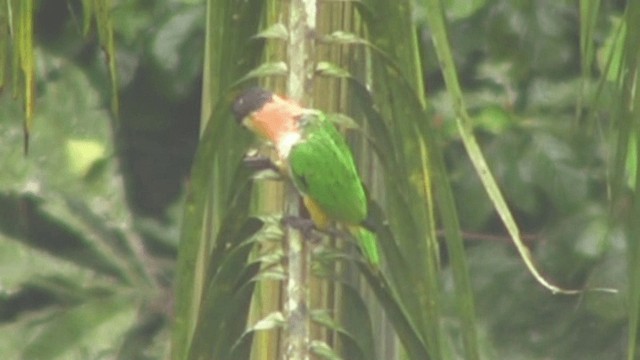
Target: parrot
315	156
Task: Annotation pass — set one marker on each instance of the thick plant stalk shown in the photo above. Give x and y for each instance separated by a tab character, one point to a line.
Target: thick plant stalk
299	83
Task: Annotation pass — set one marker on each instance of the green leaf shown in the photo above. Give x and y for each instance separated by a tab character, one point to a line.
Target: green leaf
445	56
105	36
229	55
269	322
610	55
324	351
276	31
344	38
413	345
92	326
325	68
234	323
265	70
229	290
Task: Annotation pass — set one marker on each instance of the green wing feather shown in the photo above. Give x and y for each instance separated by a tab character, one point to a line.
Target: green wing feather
322	168
368	244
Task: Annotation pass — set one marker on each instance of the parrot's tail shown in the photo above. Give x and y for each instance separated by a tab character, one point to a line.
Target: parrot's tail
368	243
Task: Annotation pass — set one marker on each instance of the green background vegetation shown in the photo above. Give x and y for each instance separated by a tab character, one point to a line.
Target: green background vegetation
121	237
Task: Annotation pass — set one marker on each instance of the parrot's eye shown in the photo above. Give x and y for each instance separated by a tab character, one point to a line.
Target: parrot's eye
250	101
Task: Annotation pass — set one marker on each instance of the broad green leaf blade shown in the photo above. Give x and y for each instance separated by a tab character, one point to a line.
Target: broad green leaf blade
323	318
236	227
218	302
414	346
323	350
348	341
457	254
234	322
355	320
395	72
380	136
242	348
197	228
230	52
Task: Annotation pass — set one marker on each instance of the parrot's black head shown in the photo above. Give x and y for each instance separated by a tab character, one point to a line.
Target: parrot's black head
250	101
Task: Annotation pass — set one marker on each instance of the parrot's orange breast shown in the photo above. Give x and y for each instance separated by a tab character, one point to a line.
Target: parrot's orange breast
276	119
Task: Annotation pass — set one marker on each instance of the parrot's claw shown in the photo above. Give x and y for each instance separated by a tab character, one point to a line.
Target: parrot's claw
298	222
259	163
306	227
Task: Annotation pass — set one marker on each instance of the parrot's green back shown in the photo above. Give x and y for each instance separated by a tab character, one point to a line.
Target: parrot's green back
322	168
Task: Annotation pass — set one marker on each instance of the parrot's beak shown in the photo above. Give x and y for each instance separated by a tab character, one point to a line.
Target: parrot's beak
249	123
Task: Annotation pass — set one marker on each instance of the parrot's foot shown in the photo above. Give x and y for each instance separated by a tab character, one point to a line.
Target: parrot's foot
306	227
260	163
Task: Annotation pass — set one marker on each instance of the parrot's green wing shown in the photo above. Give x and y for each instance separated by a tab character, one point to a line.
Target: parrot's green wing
368	244
323	169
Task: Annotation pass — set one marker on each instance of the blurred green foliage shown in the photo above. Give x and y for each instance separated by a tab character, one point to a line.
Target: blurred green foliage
89	219
520	63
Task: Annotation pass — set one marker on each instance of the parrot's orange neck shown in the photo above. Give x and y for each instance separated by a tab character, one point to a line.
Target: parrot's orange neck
277	122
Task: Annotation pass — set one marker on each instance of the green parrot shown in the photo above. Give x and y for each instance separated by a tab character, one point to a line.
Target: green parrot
311	152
